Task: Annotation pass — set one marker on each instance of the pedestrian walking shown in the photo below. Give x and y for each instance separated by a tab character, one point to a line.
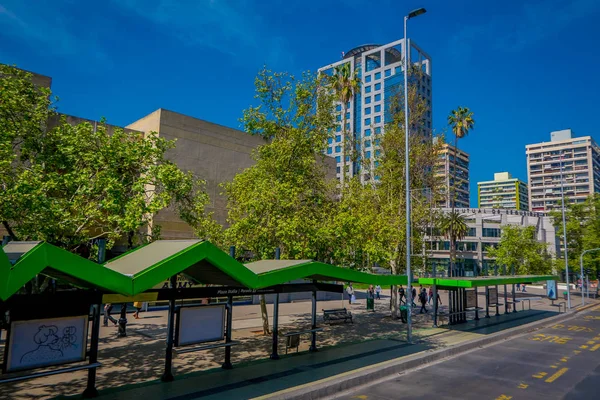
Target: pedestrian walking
371	292
350	291
523	288
518	287
401	294
107	317
423	301
430	297
414	296
378	292
138	308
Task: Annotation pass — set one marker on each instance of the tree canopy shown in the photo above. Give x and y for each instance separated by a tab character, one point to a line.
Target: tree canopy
519	248
69	184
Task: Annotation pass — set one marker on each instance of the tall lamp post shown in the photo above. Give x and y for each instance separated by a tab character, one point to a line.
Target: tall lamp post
582	278
412	14
564	222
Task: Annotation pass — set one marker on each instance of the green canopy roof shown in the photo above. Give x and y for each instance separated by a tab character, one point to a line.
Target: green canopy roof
273	272
469	282
141	269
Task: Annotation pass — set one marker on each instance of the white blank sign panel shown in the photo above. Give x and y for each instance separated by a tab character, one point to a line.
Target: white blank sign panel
201	324
44	342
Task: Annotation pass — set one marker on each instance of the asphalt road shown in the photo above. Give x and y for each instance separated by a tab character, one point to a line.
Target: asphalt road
560	362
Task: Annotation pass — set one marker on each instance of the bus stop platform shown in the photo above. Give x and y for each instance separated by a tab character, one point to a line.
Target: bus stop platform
267	378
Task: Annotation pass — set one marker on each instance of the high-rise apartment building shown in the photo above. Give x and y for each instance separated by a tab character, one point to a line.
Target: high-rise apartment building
503	192
454	177
578	158
379	68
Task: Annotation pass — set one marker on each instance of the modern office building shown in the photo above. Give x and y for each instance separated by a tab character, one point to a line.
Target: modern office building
485	230
454	177
503	192
379	68
578	158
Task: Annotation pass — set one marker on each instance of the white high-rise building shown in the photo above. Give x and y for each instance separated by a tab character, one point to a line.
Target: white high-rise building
579	160
380	70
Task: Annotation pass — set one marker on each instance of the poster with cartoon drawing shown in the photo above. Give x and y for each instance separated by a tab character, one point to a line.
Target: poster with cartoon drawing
44	342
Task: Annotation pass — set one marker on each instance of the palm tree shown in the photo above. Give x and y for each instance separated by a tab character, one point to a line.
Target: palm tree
345	83
461	121
454	227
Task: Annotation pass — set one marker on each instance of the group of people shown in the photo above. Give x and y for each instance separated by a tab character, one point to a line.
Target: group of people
424	296
521	287
372	292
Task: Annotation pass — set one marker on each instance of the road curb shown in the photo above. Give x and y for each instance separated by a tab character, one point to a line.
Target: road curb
335	385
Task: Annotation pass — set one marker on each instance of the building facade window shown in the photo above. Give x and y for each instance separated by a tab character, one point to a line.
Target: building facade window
377	108
367	121
491	232
367	89
368	111
377	75
378	97
329	150
368	100
368	78
378	86
367	132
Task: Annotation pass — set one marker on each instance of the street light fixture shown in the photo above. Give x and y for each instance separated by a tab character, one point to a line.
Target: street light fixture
582	279
410	15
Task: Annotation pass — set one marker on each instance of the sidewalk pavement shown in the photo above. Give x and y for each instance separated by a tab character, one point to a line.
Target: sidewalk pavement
374	337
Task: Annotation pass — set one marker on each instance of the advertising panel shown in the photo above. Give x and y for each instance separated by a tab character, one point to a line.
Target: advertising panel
200	324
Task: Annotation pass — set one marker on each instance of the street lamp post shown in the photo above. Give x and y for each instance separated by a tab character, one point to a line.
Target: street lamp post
582	278
564	221
410	15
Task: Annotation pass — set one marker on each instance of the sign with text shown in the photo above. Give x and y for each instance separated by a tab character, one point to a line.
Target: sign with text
200	324
551	290
492	296
471	298
45	342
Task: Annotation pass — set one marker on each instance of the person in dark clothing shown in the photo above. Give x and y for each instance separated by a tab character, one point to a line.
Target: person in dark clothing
423	301
401	294
414	296
107	309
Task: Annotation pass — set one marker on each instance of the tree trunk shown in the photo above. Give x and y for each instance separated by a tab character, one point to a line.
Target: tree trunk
345	135
395	302
452	204
264	315
9	230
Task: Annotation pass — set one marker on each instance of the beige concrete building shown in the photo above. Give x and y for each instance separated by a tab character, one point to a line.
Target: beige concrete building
578	158
503	192
212	152
453	174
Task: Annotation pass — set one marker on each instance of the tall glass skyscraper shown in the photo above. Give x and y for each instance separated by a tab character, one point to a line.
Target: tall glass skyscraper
380	69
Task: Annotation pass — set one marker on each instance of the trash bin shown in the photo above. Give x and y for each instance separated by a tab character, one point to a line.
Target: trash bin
370	304
565	295
403	314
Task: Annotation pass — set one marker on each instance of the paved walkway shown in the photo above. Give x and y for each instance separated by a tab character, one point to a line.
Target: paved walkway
138	360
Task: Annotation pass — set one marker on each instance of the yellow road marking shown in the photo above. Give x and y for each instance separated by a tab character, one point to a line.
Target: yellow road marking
554	366
591	342
523	386
576	351
504	397
583	346
596	347
540	375
361	397
557	375
564	359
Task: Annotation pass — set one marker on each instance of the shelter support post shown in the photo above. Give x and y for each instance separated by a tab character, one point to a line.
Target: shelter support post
90	391
514	298
487	302
227	364
476	305
505	300
168	374
274	355
313	340
435	303
450	306
497	308
463	304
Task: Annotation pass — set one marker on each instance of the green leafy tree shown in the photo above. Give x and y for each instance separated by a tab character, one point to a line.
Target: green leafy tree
454	226
519	248
69	184
283	199
345	84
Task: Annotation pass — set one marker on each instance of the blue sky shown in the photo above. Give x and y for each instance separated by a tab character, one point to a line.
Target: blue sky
525	67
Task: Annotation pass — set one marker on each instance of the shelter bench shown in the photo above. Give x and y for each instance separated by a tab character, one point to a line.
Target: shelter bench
338	314
293	338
